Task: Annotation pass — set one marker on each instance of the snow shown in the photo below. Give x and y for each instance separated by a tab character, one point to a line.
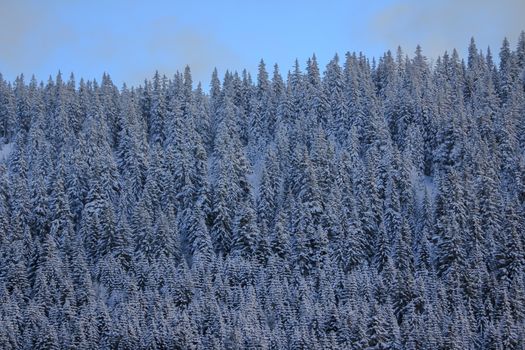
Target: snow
429	186
422	184
5	151
211	174
254	177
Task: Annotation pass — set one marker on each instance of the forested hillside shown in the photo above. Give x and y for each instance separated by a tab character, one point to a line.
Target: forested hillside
377	204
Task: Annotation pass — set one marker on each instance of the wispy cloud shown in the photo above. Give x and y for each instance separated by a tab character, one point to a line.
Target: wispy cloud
30	32
35	34
131	39
443	25
176	45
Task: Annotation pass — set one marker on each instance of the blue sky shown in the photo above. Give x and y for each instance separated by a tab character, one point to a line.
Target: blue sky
131	39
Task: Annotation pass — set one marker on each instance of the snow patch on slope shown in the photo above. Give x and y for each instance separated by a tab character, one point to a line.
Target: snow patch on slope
254	177
5	151
422	184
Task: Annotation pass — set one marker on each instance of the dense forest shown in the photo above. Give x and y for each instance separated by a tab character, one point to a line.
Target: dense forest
379	204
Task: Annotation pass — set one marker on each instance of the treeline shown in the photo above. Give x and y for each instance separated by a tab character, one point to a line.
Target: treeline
378	205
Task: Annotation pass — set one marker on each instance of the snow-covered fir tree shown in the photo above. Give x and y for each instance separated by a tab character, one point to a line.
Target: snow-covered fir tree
366	205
